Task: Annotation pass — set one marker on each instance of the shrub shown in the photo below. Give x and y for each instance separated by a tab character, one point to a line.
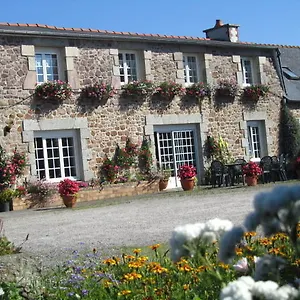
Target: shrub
68	187
100	91
145	157
40	189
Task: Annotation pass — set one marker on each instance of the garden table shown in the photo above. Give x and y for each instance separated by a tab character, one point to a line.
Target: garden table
232	170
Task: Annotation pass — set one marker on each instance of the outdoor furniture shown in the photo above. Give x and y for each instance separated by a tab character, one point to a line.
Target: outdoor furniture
266	165
278	168
219	174
235	171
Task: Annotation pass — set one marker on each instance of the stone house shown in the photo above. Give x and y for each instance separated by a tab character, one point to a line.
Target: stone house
71	139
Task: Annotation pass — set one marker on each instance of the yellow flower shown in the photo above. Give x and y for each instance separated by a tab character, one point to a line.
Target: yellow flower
201	269
124	293
238	251
107	283
142	258
129	257
110	262
135	264
275	251
157	268
154	247
250	234
224	266
132	276
265	241
186	286
137	251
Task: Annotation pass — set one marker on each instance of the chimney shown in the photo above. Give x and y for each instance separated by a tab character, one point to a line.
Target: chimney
223	32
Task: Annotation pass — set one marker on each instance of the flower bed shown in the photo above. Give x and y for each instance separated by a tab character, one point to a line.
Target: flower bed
97	193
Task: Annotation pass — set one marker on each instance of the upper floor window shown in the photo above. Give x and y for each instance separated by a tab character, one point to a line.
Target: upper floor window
47	65
128	67
190	68
247	71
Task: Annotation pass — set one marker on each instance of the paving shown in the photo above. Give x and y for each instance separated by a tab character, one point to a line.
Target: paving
55	233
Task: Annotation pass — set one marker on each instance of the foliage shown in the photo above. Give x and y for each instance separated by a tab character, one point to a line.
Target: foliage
164	174
226	87
251	169
58	90
198	90
168	90
289	133
211	147
218	149
10	291
40	189
68	187
145	157
187	171
11	167
109	170
7	195
99	91
126	157
139	88
256	91
6	247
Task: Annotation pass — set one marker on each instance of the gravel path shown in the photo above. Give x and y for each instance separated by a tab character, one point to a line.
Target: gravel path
52	233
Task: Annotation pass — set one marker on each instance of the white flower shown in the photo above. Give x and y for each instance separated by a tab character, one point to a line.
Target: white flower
264	289
241	265
228	243
1	292
285	292
238	290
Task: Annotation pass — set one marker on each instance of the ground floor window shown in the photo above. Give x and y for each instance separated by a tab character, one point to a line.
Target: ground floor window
257	139
56	155
175	147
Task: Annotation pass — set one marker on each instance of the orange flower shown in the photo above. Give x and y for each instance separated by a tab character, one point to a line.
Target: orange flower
154	247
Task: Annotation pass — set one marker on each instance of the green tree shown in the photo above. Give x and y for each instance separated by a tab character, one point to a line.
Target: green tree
289	132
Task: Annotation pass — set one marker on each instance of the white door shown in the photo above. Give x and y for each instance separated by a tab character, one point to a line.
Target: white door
257	139
175	148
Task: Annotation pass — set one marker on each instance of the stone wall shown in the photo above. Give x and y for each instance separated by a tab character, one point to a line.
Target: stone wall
113	121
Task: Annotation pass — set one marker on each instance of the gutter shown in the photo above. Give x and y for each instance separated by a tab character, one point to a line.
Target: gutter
278	67
122	37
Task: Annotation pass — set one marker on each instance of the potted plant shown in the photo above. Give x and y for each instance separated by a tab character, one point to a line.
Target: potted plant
227	88
198	90
164	176
55	90
187	174
68	190
251	171
138	88
254	92
6	196
98	91
167	90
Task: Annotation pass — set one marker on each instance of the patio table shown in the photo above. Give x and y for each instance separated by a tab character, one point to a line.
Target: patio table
232	170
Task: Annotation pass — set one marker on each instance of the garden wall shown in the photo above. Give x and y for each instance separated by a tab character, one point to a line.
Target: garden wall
98	193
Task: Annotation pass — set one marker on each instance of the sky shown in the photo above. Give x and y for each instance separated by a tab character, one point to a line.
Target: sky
261	21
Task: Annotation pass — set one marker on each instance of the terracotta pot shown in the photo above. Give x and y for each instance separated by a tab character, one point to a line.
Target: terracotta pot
162	185
251	180
69	200
4	206
188	183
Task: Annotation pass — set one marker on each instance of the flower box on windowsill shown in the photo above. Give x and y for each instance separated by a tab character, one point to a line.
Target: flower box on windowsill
168	90
138	89
226	88
98	91
255	92
198	90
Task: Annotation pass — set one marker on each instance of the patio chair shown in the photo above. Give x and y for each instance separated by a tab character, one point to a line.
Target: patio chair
238	170
266	165
219	175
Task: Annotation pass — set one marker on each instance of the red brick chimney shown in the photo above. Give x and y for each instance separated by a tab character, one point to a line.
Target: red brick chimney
223	32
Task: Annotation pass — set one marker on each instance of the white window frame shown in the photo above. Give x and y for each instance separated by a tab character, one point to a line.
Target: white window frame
125	66
59	134
253	70
43	51
187	69
262	138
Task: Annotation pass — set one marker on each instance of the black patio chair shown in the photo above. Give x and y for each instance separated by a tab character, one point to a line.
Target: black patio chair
266	165
219	174
282	167
238	170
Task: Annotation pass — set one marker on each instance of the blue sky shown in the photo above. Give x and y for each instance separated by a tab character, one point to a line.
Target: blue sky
261	21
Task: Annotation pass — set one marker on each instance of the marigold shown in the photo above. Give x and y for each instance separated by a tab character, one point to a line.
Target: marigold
154	247
124	293
137	251
186	287
132	276
135	264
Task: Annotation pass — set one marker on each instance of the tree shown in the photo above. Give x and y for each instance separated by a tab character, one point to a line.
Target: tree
289	133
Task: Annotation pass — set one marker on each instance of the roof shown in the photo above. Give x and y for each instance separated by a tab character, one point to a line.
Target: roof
47	30
290	58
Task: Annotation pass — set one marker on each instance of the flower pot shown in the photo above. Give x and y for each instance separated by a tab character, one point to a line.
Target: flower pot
162	185
4	206
251	180
187	184
69	200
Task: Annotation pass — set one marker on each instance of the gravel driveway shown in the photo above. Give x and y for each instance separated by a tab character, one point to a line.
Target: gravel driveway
144	221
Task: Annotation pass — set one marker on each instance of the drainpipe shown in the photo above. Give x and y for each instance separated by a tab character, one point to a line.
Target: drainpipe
278	67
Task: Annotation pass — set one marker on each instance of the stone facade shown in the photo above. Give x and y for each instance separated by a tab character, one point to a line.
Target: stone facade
87	61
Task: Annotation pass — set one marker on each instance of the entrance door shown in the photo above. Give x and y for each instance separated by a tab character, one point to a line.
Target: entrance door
175	148
257	139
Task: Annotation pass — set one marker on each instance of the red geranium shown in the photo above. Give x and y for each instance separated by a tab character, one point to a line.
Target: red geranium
68	187
187	171
252	169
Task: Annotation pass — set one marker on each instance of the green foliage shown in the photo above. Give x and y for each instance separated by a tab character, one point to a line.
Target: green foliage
145	157
139	88
7	195
11	291
289	132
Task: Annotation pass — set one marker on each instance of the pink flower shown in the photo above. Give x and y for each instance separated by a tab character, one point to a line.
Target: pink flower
241	265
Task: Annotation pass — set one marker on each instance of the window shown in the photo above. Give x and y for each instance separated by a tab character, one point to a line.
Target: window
247	71
190	68
47	65
128	67
256	138
289	74
55	155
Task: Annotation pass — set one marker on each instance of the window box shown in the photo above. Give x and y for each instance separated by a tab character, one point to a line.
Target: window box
228	88
254	92
98	91
53	90
138	89
198	90
168	90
